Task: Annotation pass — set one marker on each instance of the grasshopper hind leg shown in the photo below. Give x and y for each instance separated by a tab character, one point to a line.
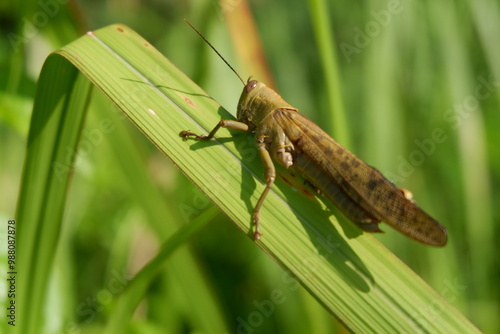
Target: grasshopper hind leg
369	226
348	206
357	214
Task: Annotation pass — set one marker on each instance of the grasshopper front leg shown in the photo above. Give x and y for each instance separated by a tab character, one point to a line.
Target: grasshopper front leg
228	124
264	154
270	176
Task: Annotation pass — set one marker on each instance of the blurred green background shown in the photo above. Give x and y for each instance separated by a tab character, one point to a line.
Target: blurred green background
420	88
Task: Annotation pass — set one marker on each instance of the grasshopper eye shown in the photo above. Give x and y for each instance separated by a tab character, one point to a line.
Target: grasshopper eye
251	85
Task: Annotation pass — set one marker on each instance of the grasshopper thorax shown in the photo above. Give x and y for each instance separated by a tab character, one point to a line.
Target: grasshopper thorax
257	101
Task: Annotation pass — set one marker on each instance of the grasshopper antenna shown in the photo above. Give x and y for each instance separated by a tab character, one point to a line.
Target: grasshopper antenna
199	33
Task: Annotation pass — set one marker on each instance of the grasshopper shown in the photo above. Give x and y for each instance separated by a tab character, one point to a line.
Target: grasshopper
292	140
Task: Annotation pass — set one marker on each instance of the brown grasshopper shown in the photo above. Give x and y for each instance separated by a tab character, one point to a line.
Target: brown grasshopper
360	191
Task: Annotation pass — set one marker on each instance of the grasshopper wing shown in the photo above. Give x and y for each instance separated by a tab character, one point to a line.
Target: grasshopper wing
363	193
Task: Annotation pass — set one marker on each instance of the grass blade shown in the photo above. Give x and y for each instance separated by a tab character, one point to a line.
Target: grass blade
54	131
137	288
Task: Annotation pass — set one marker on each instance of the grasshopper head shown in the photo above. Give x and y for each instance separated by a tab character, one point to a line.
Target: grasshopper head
257	101
250	103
